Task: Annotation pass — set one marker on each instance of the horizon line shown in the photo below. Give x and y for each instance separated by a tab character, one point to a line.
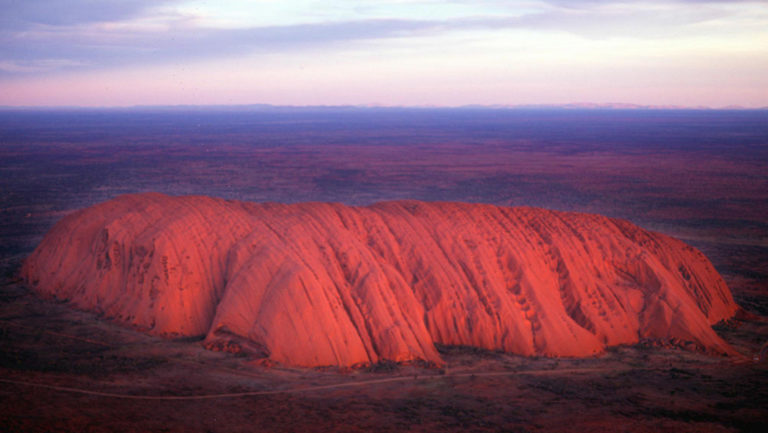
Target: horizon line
618	106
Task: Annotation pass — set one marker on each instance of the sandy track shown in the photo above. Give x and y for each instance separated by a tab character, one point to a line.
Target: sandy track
360	383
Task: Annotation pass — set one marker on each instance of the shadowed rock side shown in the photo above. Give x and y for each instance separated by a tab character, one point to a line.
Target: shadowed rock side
315	284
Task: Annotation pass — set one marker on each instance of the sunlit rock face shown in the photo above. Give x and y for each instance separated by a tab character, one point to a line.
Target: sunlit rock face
316	284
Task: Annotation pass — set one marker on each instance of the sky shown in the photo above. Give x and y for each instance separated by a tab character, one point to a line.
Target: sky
711	53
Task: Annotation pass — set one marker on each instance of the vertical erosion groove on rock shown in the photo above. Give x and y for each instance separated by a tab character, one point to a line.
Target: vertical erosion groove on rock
316	284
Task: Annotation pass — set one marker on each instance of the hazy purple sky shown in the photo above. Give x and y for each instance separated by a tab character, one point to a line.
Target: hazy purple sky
396	52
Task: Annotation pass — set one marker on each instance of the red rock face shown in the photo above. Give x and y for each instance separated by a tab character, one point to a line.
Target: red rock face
315	284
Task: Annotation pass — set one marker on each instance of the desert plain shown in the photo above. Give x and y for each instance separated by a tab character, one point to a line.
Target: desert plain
697	175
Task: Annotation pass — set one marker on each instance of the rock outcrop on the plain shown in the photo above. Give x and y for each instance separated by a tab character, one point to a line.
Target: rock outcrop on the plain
315	284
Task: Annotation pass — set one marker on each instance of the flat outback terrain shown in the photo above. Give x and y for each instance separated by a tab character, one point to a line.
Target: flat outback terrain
699	176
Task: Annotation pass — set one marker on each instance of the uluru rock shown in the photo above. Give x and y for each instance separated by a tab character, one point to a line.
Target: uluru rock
315	284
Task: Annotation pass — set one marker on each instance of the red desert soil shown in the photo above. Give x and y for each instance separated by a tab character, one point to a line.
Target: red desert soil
63	370
317	284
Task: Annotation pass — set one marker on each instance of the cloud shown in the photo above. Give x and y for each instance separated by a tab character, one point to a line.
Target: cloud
23	13
53	35
631	22
181	40
36	66
598	3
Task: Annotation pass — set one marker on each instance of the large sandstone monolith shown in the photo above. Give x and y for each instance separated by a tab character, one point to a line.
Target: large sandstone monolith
316	284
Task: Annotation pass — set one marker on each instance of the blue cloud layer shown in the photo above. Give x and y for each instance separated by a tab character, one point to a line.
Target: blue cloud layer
20	14
37	36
